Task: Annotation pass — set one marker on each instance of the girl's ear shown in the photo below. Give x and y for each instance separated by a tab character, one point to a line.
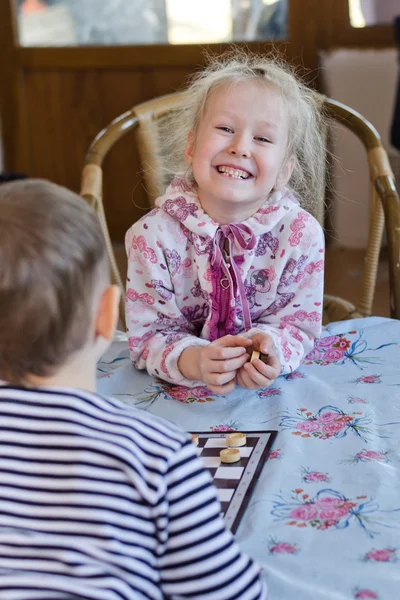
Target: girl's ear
285	173
189	148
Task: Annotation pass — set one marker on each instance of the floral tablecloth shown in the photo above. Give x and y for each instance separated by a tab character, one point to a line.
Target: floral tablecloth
324	518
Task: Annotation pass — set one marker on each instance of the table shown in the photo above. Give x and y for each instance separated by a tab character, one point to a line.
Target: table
324	518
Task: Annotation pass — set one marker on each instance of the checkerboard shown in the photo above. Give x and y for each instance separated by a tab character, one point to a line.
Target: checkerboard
235	482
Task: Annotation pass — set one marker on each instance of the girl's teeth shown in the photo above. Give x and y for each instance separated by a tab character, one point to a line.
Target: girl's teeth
235	173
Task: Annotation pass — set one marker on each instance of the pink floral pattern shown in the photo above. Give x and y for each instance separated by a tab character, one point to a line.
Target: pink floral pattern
186	395
224	427
142	251
384	555
355	400
295	375
327	423
328	509
268	392
370	456
369	379
365	594
276	547
337	349
275	454
309	476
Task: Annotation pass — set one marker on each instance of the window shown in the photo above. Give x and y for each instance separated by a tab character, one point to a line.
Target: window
366	13
131	22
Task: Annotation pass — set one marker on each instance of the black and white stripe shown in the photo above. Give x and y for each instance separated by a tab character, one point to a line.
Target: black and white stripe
101	501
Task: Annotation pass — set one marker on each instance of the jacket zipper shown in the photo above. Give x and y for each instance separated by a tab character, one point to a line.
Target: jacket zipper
225	292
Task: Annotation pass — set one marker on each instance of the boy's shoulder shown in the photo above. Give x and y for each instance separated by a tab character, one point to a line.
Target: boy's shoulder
105	414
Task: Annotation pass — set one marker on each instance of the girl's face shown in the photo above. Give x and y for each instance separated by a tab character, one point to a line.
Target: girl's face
238	152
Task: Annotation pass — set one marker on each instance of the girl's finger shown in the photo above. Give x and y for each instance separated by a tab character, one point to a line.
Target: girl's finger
225	366
225	353
267	370
219	379
245	381
256	376
221	390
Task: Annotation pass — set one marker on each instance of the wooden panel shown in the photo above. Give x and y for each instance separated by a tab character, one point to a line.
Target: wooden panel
12	101
67	109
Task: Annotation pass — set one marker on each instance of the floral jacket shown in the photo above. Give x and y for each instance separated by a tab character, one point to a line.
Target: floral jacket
191	280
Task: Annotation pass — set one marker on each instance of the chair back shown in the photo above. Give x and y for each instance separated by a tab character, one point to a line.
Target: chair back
146	118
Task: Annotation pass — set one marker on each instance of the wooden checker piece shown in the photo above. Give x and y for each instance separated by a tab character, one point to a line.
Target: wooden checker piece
229	455
236	479
235	439
256	354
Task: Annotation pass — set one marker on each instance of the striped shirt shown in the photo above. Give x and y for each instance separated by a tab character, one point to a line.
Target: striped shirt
101	501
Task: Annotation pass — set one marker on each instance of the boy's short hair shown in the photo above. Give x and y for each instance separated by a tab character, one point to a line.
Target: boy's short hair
51	255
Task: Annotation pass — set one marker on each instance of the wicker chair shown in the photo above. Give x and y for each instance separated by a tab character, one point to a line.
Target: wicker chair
385	204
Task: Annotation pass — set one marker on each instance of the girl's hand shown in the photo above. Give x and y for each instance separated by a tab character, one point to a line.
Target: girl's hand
259	374
217	363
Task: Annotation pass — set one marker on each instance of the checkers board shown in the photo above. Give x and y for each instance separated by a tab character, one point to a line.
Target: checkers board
235	481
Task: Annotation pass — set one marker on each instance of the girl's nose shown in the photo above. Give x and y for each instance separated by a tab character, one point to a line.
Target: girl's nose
239	149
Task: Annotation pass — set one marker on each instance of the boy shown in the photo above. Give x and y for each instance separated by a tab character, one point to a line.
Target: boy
97	499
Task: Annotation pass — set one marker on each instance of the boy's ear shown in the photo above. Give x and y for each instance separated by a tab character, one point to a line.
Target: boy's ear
285	173
107	316
189	148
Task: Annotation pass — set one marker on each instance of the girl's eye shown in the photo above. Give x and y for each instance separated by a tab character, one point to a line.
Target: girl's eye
263	139
227	129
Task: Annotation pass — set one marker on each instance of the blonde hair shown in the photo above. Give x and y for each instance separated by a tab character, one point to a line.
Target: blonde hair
52	255
306	139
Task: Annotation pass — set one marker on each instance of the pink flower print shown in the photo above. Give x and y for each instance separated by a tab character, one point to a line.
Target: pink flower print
365	595
132	295
326	524
158	285
369	379
224	427
305	512
333	514
333	509
282	548
334	427
294	331
312	266
327	342
328	416
353	400
173	261
384	555
296	226
315	354
372	456
180	208
187	268
146	253
200	391
308	426
135	342
315	476
178	392
302	315
267	393
182	184
333	355
295	375
186	395
275	454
